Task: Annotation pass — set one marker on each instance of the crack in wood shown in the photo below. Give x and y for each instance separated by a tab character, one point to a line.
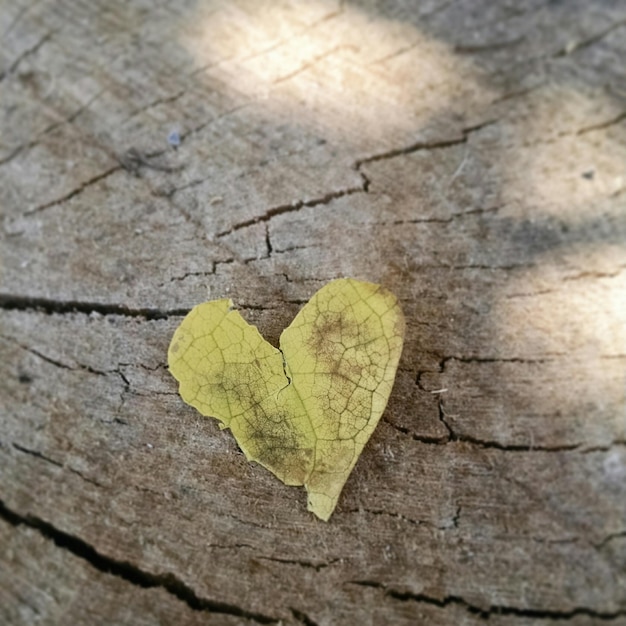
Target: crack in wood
292	207
309	64
438	220
134	159
425	145
397	53
268	241
516	93
302	617
455	437
409	520
486	613
87	368
416	436
166	99
127	570
443	362
414	147
529	294
594	275
296	34
494	46
19	17
564	51
589	41
49	306
36	454
25	54
603	543
40	355
479	359
291	249
603	125
573	133
300	562
75	192
60	364
51	127
39	455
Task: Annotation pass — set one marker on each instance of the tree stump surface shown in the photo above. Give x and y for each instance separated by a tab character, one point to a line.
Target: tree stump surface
469	156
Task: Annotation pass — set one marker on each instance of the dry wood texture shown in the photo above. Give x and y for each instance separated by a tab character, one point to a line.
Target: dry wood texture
470	156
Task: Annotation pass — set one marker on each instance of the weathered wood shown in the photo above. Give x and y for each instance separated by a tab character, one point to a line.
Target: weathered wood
469	156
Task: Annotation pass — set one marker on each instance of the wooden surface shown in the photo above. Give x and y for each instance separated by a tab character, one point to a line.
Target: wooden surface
470	156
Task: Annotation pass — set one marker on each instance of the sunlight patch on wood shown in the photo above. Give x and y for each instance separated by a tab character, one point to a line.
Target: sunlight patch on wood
340	69
571	149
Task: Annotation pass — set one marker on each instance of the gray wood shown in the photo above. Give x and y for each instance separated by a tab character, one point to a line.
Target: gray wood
471	157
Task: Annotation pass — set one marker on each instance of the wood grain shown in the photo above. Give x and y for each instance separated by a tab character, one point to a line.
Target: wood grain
468	156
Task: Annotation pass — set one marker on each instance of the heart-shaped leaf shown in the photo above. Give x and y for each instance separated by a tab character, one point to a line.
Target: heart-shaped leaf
306	411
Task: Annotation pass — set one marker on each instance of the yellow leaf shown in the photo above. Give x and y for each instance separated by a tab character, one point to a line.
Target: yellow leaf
306	411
